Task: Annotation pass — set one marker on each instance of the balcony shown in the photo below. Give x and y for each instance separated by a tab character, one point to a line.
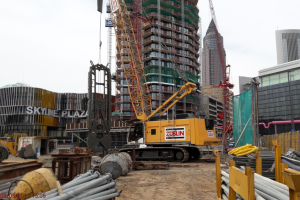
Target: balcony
161	90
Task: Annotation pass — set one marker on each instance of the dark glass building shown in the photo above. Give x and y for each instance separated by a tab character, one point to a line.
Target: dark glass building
211	65
278	84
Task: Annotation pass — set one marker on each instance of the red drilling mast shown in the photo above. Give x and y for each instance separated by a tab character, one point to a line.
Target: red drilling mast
226	85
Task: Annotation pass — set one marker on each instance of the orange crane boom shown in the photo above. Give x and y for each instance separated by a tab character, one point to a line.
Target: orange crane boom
131	60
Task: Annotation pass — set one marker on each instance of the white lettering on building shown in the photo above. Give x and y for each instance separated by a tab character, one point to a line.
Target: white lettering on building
30	110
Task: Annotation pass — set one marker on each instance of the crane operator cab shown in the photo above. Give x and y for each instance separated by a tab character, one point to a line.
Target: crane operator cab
184	129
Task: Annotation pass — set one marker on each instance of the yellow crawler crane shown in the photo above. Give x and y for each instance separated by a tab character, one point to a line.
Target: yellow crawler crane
180	138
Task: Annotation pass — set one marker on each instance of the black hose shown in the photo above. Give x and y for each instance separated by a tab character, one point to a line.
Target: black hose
291	165
297	153
291	160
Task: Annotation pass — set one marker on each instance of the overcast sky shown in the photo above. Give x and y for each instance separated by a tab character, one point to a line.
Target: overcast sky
49	43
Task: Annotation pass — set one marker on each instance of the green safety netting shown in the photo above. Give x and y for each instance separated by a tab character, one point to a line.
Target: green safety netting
128	1
241	115
167	5
168	74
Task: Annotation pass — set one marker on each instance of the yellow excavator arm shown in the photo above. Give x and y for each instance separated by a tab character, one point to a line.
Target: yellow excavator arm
9	146
190	88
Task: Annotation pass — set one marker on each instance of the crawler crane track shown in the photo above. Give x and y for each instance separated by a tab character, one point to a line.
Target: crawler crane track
160	154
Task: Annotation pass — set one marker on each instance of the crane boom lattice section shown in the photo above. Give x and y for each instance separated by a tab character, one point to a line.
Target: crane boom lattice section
131	60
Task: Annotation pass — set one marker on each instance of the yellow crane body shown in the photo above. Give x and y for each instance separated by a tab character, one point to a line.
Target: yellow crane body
185	131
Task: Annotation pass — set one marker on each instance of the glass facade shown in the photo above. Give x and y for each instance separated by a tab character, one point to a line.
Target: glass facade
281	77
274	103
211	65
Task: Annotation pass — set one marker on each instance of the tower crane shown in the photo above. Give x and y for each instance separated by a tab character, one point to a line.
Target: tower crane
187	136
226	85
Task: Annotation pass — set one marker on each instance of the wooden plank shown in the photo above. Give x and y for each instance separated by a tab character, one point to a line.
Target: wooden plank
60	192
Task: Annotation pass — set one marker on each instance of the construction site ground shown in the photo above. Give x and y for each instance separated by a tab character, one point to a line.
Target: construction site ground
194	180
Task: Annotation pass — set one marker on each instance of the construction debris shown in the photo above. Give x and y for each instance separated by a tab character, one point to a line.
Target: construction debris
68	164
27	152
86	186
13	169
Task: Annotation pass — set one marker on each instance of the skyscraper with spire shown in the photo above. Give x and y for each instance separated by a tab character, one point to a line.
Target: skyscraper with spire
211	66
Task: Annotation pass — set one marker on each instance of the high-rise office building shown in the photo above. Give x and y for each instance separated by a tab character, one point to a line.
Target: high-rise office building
244	83
170	37
211	66
287	45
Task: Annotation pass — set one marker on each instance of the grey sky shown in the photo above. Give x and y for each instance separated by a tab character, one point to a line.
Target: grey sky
49	43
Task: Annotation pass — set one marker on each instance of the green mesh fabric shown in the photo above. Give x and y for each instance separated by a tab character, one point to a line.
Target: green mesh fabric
128	1
176	9
147	3
168	74
241	115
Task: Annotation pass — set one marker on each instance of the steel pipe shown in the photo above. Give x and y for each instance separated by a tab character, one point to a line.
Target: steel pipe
271	181
225	174
113	195
106	192
291	165
264	195
87	186
76	182
224	197
268	186
226	190
70	189
81	176
262	182
225	180
95	190
257	196
271	192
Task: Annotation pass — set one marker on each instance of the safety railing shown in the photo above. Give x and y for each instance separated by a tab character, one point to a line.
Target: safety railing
250	185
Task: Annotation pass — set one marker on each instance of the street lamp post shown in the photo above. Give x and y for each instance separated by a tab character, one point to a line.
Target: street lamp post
291	104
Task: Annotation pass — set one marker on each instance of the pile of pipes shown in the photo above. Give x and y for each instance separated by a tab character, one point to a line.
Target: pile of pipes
91	185
292	158
250	161
265	188
6	184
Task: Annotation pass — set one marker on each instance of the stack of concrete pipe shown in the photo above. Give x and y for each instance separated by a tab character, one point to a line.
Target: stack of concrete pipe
265	188
91	186
118	164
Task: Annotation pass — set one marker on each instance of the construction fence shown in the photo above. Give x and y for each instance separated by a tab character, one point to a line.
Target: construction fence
285	140
242	119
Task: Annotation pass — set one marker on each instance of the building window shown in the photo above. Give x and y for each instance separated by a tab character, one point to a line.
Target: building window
274	79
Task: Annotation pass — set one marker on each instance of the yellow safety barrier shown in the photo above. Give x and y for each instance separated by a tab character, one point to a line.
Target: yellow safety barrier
286	176
239	182
218	173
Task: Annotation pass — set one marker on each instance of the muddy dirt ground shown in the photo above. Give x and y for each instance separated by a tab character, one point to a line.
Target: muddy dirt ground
196	182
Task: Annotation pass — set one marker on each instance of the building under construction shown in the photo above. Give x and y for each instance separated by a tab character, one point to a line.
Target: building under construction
167	35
